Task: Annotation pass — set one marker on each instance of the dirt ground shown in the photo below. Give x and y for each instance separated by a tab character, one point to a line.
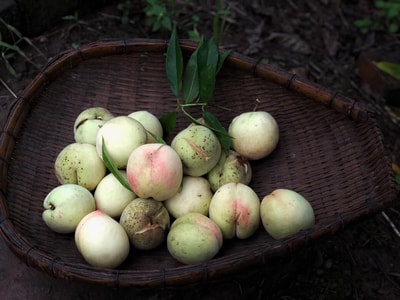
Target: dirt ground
316	39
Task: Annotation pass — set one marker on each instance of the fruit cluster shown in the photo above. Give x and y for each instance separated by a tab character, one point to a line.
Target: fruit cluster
191	194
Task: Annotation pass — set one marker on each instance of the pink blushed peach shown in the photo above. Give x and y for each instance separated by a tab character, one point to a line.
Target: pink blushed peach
235	208
154	171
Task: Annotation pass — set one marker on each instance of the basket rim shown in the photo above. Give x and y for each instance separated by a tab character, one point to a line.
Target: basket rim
54	266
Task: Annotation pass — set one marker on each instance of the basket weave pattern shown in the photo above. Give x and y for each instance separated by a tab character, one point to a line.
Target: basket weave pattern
330	151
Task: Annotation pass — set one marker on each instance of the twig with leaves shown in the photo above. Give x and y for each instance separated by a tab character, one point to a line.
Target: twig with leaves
193	84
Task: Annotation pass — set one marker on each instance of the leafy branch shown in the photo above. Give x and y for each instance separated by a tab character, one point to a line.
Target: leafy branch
193	84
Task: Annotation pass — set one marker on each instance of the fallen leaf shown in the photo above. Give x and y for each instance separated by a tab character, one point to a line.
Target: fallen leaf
330	41
389	68
291	41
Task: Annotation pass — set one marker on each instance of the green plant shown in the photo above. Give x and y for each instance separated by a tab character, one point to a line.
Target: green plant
162	15
9	50
158	16
125	8
192	28
390	13
76	22
364	25
219	21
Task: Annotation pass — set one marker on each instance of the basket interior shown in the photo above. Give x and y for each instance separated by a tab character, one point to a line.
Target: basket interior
339	165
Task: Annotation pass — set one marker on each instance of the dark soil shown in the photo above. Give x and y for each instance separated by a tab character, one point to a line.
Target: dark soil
317	40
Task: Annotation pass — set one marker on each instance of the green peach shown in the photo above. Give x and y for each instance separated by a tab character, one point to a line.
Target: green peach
88	123
65	206
199	149
194	238
231	167
79	164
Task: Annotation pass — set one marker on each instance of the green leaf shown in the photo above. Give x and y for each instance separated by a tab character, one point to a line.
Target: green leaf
166	23
208	54
168	122
223	136
221	60
113	169
174	64
9	67
8	55
9	46
157	25
207	78
219	21
11	28
191	79
207	60
397	178
157	138
389	68
216	26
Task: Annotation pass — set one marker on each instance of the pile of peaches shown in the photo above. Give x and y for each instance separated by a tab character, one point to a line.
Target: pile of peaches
190	194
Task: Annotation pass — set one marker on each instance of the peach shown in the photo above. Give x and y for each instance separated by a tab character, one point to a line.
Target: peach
194	196
101	240
79	164
111	196
235	208
199	149
65	206
121	136
154	171
194	238
88	123
150	122
285	212
146	222
254	134
231	167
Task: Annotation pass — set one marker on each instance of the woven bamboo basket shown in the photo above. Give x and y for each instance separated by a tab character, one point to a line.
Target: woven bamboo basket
330	151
